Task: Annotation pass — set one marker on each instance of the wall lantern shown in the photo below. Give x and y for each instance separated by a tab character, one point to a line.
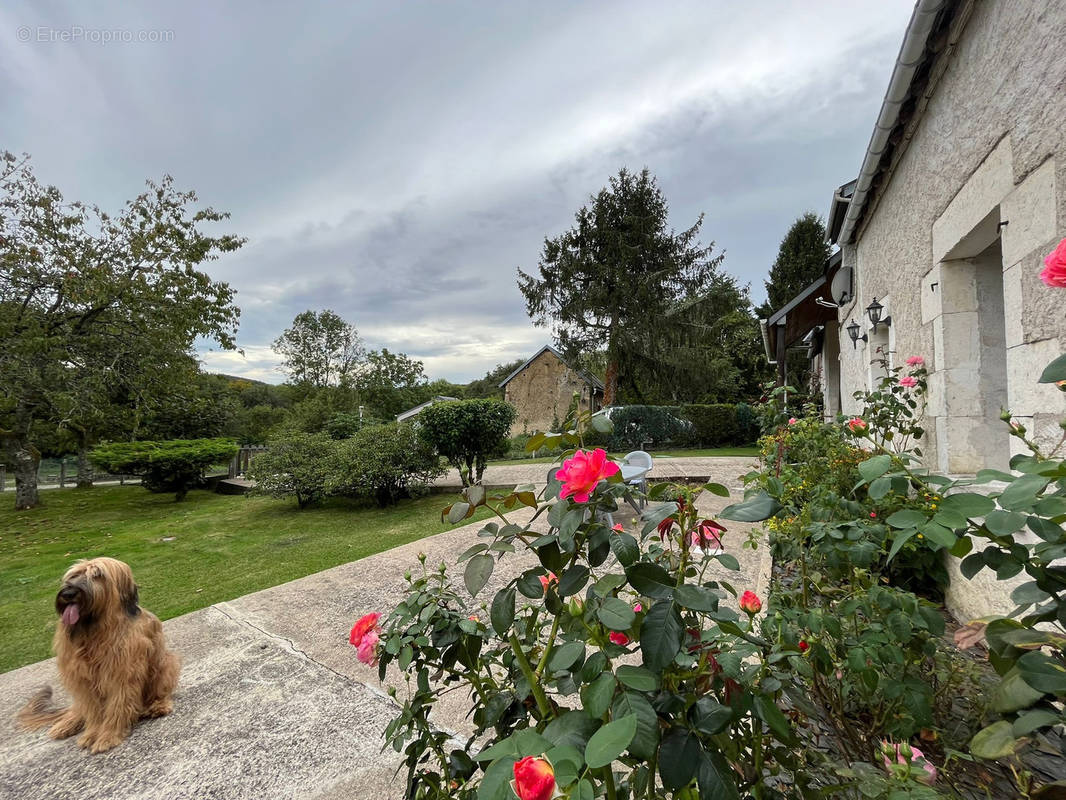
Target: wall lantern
874	312
853	332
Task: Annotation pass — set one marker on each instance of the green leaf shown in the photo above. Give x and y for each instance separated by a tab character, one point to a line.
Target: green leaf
679	755
1034	720
938	534
715	778
502	611
728	561
972	564
1055	371
907	518
660	635
496	785
716	488
1045	529
568	763
565	656
477	574
584	790
601	423
995	741
755	509
572	728
650	580
1043	673
646	740
610	741
625	548
1004	523
710	716
616	614
766	710
879	488
573	580
1021	495
875	467
899	540
1028	594
458	512
697	598
968	504
596	696
638	678
1013	693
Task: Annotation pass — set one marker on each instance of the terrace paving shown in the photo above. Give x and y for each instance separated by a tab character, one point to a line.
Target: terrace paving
272	702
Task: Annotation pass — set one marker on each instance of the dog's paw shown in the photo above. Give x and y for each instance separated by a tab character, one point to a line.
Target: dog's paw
87	739
65	728
105	742
160	708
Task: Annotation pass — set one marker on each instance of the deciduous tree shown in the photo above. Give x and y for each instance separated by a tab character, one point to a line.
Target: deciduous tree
92	302
320	349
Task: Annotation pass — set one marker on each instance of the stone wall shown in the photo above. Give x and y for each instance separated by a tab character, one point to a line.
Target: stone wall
958	236
542	393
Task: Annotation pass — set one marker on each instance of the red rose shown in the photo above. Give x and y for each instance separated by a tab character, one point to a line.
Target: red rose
750	603
803	646
618	638
534	779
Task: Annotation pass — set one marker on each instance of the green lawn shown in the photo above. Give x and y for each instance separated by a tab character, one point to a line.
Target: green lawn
719	452
223	547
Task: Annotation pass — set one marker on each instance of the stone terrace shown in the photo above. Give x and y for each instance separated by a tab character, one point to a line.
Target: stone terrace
272	701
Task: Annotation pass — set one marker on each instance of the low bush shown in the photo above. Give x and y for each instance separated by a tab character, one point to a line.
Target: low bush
385	462
467	433
636	426
297	465
174	466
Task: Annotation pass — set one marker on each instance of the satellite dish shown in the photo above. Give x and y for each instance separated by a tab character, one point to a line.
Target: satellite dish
840	288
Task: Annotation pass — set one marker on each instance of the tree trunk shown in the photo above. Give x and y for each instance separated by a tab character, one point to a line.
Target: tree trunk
610	390
85	467
23	457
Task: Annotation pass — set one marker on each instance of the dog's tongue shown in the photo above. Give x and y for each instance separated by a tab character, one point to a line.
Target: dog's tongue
70	614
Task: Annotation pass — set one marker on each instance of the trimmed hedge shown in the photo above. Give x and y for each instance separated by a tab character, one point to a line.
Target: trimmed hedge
176	465
720	425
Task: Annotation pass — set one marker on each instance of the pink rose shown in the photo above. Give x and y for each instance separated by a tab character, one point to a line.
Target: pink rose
365	635
909	381
637	608
915	361
617	527
618	638
581	473
918	759
1054	272
856	424
546	580
707	534
792	421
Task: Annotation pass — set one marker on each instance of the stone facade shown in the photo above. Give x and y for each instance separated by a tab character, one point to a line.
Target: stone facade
952	246
542	390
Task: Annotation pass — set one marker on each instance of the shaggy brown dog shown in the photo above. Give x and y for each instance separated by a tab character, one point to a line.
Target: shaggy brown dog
111	657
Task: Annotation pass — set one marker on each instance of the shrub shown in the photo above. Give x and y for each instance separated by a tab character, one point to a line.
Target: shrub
747	425
467	432
296	465
635	426
171	466
711	425
384	462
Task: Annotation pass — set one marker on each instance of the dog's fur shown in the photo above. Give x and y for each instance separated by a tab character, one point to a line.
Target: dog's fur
111	657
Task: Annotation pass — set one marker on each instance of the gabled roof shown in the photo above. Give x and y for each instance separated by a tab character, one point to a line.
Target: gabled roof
591	380
411	412
810	308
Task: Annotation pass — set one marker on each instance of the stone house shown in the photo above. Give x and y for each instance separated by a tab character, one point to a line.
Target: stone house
542	389
960	195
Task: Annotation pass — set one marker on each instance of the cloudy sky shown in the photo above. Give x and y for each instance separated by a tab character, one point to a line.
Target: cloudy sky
398	161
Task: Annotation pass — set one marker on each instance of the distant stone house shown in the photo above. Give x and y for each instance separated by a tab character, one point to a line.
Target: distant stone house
961	193
542	389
